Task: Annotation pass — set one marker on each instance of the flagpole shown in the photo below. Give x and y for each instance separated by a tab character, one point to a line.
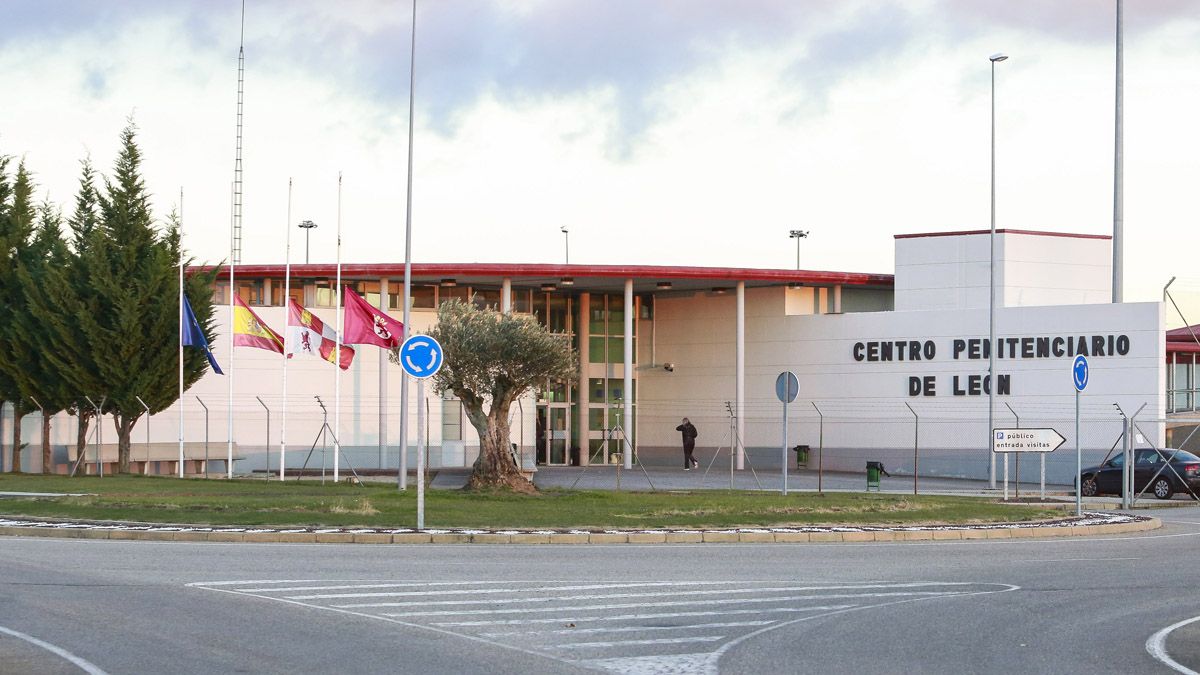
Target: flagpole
232	325
287	296
181	332
337	352
402	475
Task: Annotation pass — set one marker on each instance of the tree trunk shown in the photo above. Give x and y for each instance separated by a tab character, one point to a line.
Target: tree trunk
495	467
124	425
81	431
18	414
47	453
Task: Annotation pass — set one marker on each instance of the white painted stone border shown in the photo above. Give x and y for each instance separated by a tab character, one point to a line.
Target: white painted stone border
1092	523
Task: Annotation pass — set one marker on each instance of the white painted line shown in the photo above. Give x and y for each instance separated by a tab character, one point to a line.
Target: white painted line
698	601
1157	646
604	596
199	584
83	664
638	617
417	626
630	643
632	629
478	591
1054	560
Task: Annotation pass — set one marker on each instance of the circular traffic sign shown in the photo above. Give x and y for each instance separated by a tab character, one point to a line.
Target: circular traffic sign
421	356
787	386
1079	373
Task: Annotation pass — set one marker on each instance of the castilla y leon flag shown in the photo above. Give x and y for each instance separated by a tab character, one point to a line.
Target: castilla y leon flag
310	335
250	331
366	325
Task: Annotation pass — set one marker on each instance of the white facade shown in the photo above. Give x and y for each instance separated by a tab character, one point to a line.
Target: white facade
907	386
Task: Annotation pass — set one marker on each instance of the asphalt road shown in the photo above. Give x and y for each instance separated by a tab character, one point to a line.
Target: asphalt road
987	606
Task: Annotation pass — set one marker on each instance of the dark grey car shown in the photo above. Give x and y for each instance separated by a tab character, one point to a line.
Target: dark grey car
1106	478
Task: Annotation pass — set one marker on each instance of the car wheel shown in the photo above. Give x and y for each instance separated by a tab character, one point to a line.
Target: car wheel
1163	488
1089	486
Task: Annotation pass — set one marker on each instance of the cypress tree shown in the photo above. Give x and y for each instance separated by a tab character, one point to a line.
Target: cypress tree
16	227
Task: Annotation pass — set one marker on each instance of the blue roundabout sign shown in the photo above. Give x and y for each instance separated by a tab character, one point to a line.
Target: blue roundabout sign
421	356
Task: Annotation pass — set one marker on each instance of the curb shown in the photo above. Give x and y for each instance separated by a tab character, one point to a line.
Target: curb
1090	525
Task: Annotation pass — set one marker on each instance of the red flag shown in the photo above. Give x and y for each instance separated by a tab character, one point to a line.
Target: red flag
365	325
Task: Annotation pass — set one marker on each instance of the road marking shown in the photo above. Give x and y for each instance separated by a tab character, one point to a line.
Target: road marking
698	601
631	629
1157	646
626	617
1054	560
716	656
631	643
557	598
477	591
757	589
83	664
377	617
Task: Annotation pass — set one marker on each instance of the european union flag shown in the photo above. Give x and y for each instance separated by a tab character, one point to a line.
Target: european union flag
193	336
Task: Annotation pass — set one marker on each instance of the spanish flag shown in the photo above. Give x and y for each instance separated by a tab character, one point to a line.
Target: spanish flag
250	331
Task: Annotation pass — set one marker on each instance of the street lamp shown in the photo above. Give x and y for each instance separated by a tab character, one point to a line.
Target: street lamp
306	225
994	58
566	244
798	235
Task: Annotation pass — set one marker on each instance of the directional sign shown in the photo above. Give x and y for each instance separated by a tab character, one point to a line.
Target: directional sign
421	356
1026	440
787	386
1079	373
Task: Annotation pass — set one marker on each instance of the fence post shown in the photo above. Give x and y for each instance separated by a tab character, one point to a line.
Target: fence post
268	445
205	435
916	446
820	447
1018	483
146	467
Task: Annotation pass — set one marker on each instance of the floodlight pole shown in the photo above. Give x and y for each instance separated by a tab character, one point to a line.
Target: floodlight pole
402	473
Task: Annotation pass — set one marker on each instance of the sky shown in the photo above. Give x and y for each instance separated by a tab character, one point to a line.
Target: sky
677	132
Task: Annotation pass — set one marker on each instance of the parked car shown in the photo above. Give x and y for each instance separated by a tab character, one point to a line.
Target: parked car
1106	478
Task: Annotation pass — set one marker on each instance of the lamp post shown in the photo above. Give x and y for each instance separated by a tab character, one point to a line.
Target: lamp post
798	235
994	58
566	244
306	225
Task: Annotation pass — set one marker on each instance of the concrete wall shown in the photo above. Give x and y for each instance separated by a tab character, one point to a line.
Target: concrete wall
864	402
951	271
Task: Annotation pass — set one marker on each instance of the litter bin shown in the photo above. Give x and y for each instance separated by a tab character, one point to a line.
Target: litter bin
801	456
873	471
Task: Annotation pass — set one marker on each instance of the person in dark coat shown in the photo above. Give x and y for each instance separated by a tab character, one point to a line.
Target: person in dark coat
689	444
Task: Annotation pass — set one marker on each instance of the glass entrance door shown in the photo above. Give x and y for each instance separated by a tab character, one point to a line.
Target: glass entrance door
557	433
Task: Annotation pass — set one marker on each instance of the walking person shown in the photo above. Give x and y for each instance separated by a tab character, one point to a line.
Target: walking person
689	444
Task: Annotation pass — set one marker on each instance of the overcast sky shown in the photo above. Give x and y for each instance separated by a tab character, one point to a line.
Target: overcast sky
679	132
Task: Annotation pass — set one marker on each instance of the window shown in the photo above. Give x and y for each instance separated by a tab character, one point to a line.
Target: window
451	420
296	290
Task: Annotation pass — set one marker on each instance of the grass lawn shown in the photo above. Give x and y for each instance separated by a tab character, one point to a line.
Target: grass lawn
258	502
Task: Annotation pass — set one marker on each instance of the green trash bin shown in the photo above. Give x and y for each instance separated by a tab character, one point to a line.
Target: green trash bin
801	456
874	469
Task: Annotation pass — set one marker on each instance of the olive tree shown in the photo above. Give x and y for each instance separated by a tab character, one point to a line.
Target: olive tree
490	360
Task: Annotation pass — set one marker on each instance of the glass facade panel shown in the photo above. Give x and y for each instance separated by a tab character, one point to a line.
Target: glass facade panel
423	297
559	314
277	293
595	419
596	349
324	296
446	294
452	420
521	301
486	298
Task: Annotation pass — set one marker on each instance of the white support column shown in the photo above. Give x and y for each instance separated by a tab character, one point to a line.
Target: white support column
740	375
627	389
583	330
383	363
506	295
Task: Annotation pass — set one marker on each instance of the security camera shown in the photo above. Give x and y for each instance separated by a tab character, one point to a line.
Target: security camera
669	367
